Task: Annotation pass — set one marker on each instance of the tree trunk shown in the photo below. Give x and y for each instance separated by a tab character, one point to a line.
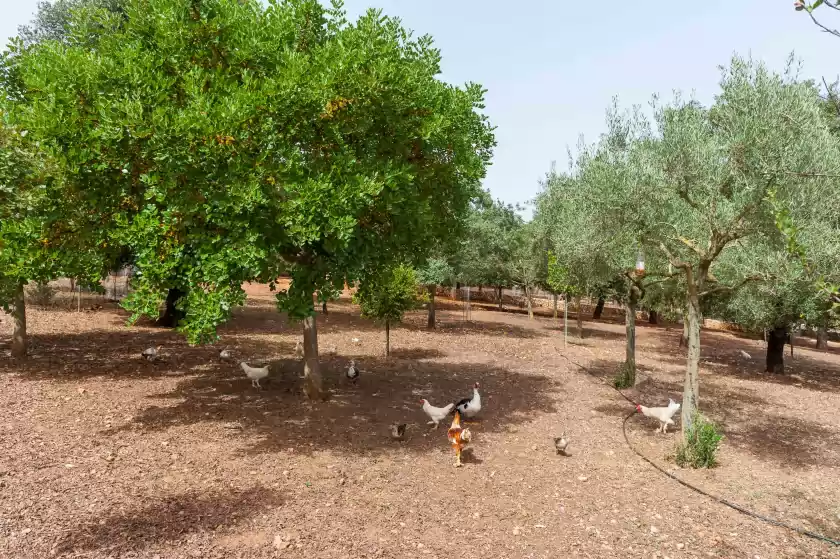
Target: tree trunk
324	308
72	284
684	337
454	293
776	339
20	343
691	389
499	291
599	308
653	317
387	338
579	307
630	347
555	309
313	384
171	314
822	337
431	321
529	303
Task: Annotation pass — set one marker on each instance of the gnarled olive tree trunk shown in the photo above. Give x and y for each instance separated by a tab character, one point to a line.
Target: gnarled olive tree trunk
822	337
599	308
629	367
776	340
528	295
691	388
579	321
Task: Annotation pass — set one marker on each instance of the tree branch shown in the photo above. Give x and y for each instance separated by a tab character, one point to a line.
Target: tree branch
730	289
820	25
673	260
828	89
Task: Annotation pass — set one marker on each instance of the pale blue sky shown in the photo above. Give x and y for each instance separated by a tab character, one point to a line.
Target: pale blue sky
552	67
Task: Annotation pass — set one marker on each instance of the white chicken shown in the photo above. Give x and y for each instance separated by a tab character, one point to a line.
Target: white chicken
745	355
436	414
254	373
469	407
151	353
298	350
664	415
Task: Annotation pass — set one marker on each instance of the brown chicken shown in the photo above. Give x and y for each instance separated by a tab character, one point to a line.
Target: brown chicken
458	437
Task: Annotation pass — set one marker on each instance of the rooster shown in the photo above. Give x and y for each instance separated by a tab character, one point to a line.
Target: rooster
254	373
458	437
436	414
664	415
469	407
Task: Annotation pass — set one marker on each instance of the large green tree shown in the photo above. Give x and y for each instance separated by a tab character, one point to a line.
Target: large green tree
223	140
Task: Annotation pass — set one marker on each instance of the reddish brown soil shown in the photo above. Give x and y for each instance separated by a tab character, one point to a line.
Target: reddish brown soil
104	455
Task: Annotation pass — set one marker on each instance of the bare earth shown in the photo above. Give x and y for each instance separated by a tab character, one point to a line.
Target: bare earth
104	455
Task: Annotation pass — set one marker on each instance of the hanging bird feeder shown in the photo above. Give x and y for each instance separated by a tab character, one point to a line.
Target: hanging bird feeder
640	264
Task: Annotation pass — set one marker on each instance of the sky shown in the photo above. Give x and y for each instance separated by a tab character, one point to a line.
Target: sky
552	68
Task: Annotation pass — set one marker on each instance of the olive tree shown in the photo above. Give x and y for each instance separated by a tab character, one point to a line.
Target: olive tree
224	140
705	182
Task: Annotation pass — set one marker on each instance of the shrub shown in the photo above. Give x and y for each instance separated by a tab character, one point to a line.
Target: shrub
702	440
42	294
626	378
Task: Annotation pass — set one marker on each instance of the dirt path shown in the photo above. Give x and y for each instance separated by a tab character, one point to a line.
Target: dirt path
107	456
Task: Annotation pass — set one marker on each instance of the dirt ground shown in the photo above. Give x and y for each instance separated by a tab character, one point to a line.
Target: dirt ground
105	455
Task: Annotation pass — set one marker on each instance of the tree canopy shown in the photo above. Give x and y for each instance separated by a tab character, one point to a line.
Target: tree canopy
211	137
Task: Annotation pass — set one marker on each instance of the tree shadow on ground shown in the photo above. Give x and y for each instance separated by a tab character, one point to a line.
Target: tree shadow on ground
167	519
787	441
356	418
70	357
721	355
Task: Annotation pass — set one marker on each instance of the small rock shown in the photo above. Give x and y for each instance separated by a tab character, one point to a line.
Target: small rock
476	515
680	546
654	530
285	472
582	478
82	390
25	531
164	443
68	466
280	543
534	447
516	531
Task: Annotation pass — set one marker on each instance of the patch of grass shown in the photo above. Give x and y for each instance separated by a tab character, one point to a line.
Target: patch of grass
702	441
626	377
